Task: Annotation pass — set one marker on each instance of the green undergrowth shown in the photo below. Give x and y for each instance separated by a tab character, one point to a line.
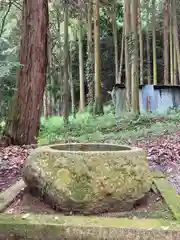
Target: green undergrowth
107	128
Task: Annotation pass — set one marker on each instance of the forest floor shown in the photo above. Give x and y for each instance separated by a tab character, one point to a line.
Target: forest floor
158	135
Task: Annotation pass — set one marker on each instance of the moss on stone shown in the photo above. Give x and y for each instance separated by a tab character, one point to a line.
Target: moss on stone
7	196
150	215
158	174
108	178
88	221
81	191
170	196
48	227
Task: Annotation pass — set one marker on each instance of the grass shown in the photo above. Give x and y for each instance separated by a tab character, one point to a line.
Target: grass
107	128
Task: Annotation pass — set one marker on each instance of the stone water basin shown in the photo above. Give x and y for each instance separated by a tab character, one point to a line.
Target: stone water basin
88	178
63	170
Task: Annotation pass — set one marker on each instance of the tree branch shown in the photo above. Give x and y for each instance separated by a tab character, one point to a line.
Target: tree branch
4	18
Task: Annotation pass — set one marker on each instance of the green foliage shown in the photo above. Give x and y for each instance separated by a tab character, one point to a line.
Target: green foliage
9	43
8	66
106	129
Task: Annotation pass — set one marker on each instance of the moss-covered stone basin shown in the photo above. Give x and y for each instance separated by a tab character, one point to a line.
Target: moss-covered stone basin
88	178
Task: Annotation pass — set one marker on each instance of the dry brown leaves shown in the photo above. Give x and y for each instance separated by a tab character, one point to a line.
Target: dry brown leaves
11	163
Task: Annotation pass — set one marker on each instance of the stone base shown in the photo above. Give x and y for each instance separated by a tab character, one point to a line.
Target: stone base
58	227
44	227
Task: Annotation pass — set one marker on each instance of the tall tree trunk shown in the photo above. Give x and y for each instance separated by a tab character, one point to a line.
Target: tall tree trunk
121	57
66	63
154	42
60	67
135	65
47	94
171	45
90	60
73	108
98	98
24	116
45	105
148	47
140	44
114	27
176	36
61	84
175	79
51	95
127	25
81	64
148	58
166	42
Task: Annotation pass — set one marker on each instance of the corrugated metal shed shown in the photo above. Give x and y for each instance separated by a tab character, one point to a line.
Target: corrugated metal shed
161	98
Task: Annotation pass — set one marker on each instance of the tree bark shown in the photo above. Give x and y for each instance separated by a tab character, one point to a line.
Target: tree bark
90	60
81	64
66	64
127	25
121	57
24	115
135	65
171	39
175	79
148	48
45	104
98	110
50	96
154	42
176	37
140	44
114	26
60	56
166	43
73	107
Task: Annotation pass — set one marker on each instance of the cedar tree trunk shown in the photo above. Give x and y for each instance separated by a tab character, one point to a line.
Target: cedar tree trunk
24	115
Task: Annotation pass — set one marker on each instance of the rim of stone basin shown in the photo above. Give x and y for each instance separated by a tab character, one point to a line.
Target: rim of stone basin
91	147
